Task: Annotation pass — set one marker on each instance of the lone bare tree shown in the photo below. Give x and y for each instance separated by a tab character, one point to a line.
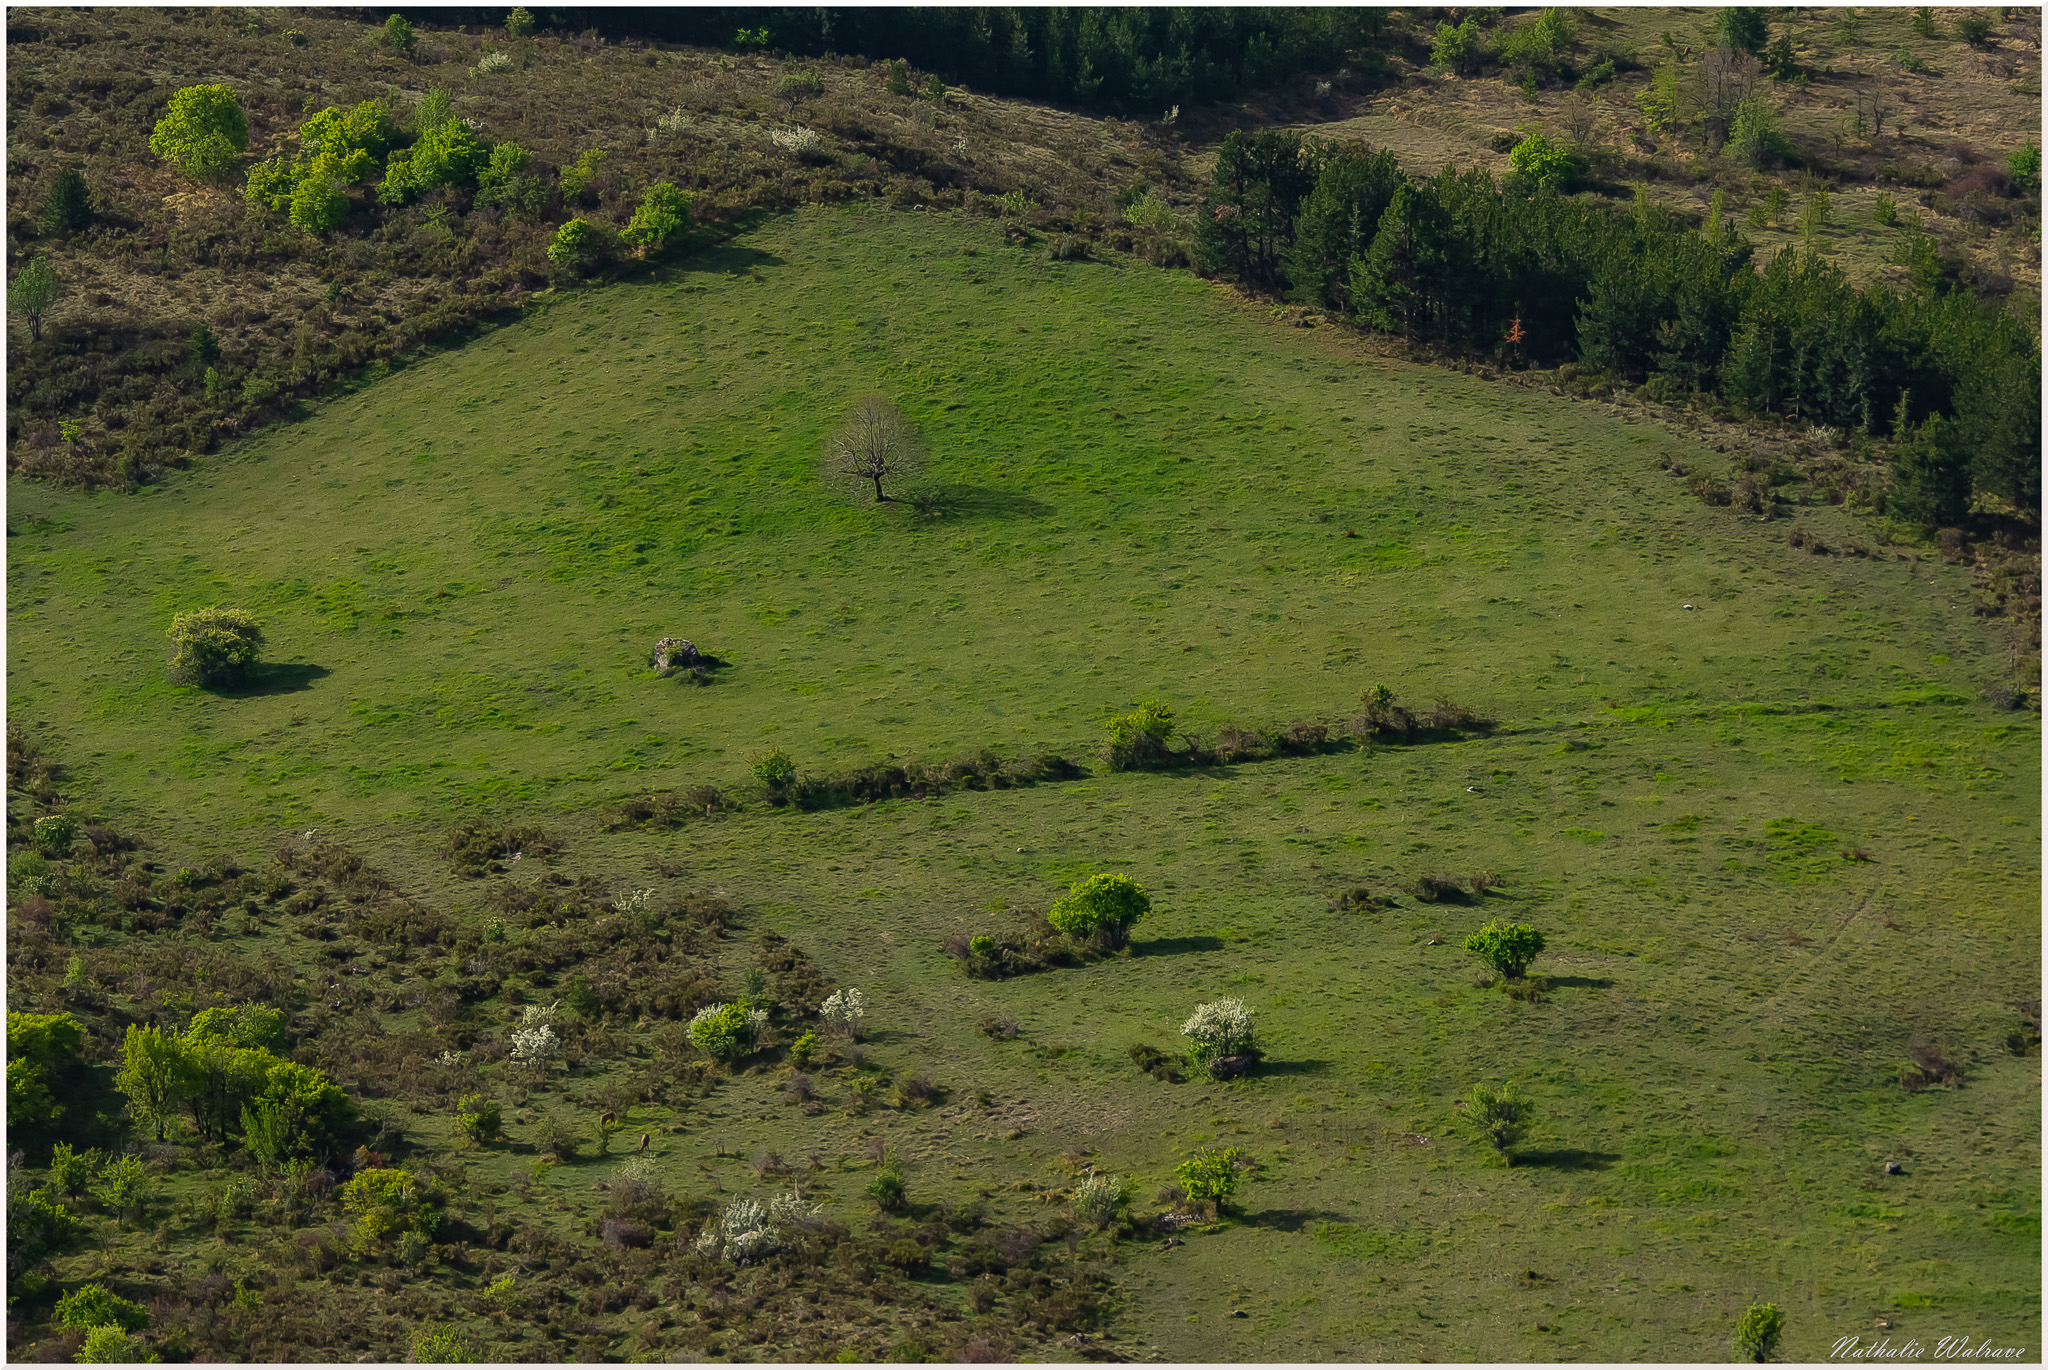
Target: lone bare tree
874	443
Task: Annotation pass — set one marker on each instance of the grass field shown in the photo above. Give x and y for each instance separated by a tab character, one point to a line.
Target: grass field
1149	489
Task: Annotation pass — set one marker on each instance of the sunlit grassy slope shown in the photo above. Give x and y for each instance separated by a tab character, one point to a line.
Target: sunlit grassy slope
1148	491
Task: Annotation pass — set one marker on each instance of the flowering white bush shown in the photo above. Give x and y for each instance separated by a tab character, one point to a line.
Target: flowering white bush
534	1041
845	1013
632	901
673	124
802	143
726	1032
745	1231
1097	1198
1223	1028
493	63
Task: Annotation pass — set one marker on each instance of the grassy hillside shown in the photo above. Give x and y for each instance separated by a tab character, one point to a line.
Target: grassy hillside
1752	797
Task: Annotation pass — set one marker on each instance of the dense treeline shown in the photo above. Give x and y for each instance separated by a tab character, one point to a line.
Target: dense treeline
1140	60
1507	267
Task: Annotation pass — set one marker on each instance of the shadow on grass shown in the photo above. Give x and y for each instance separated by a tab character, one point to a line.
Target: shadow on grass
1175	946
1292	1068
979	501
273	680
1579	982
1567	1158
1289	1219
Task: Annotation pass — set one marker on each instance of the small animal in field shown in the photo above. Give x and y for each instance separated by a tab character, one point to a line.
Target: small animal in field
607	1118
643	1144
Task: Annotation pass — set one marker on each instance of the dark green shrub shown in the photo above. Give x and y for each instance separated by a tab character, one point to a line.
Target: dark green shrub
68	206
888	1189
213	646
399	35
899	79
776	772
479	1118
54	834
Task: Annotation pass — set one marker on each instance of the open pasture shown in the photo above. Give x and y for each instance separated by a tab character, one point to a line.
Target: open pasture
1141	487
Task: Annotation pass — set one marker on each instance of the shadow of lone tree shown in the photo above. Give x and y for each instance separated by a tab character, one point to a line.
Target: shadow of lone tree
213	647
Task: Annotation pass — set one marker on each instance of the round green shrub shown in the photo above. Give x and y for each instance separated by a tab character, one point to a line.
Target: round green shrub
1507	947
1758	1330
1101	909
55	833
726	1032
92	1305
214	646
577	246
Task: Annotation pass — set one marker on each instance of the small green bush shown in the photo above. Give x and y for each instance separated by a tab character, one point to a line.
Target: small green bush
73	1172
1502	1116
1209	1176
775	770
2024	167
54	834
91	1305
577	246
1138	740
112	1346
1758	1330
213	646
443	1345
1507	947
1101	909
519	23
1884	211
399	35
1551	168
726	1032
68	206
888	1189
661	220
479	1118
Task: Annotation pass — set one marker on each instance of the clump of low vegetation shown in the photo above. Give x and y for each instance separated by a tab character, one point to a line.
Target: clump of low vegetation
1507	947
475	849
1101	910
1502	1116
214	647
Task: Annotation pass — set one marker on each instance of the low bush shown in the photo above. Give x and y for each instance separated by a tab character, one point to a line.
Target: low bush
1221	1032
475	850
213	647
1436	889
1931	1065
1758	1330
1157	1063
1139	740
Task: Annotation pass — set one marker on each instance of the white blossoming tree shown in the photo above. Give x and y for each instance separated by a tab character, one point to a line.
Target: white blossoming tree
845	1013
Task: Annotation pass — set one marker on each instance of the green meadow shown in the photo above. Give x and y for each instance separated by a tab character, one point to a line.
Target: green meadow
1142	487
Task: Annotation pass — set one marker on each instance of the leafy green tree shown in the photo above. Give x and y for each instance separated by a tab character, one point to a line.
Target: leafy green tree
577	246
1210	1176
1101	909
1397	283
1923	22
1664	102
798	86
68	206
256	1026
1551	168
1743	28
1756	140
399	35
661	220
122	1185
1502	1116
1507	947
112	1346
203	132
1457	47
43	1050
2024	167
899	78
92	1305
73	1172
34	290
519	23
1758	1330
152	1075
214	646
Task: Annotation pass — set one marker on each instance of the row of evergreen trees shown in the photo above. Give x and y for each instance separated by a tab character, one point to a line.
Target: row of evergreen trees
1134	60
1465	261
